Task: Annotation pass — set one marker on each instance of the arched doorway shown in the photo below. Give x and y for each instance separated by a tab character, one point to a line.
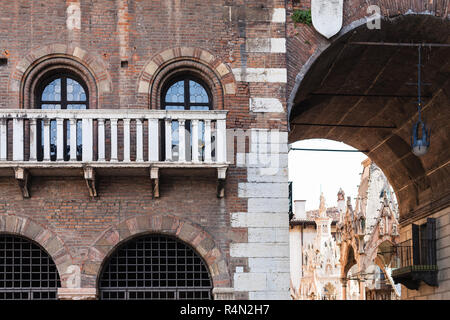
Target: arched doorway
27	272
155	267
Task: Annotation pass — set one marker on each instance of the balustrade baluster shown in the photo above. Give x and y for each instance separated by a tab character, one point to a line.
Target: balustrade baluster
101	139
208	141
60	139
194	141
33	139
153	140
73	139
126	140
182	141
168	130
3	140
46	139
87	136
139	141
114	157
18	151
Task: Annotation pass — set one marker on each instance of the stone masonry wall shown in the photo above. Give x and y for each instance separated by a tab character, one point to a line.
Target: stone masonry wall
244	236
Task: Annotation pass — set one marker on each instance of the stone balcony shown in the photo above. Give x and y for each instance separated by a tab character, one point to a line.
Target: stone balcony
96	142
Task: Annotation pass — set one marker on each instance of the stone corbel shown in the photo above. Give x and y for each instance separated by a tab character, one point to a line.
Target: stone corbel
221	175
91	182
24	180
154	176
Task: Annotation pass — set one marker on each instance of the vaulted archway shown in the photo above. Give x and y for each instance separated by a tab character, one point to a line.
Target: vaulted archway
353	85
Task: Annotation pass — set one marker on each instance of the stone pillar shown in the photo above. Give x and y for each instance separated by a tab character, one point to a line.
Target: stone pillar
362	289
344	289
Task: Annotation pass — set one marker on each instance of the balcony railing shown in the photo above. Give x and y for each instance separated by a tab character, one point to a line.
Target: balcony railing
112	136
415	262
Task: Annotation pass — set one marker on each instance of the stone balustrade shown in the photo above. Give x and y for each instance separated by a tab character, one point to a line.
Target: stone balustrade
52	136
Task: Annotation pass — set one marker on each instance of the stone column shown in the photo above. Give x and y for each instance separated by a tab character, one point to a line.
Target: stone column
344	288
362	289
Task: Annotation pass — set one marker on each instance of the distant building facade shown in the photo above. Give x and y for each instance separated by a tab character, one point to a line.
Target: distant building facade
322	265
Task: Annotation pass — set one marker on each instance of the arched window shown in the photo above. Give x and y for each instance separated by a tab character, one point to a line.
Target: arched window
27	272
57	92
153	267
186	93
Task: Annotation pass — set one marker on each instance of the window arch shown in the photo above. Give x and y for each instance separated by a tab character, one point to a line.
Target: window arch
154	267
61	90
27	272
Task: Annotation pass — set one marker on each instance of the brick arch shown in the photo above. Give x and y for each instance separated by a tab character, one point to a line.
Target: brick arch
91	68
192	234
55	247
199	62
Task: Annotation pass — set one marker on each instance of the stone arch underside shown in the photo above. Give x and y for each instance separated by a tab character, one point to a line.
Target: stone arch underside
366	85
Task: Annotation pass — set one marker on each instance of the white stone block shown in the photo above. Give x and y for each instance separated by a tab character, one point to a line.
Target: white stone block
267	160
258	250
269	265
262	175
263	190
278	45
269	205
261	74
250	281
260	219
270	295
265	105
278	281
266	45
268	235
279	15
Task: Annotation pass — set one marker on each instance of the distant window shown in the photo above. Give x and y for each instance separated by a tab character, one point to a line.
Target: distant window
56	93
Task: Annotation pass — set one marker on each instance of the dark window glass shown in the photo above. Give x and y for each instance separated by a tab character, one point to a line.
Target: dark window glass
56	93
186	93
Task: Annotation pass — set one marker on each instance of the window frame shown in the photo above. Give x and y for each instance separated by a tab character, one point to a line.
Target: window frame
187	101
63	102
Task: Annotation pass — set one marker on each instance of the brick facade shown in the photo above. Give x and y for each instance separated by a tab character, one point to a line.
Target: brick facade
249	54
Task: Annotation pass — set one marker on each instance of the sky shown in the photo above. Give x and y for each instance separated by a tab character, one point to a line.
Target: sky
313	171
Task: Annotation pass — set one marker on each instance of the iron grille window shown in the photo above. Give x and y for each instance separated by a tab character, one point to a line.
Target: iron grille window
26	271
155	267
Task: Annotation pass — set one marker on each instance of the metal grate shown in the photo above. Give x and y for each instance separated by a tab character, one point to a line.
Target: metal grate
155	267
26	271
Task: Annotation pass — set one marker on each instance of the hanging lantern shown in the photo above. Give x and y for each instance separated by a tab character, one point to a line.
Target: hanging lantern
420	139
420	143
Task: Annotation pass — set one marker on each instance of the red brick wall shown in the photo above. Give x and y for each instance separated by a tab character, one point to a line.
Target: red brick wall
61	204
